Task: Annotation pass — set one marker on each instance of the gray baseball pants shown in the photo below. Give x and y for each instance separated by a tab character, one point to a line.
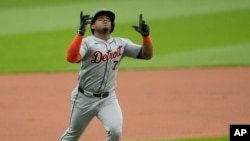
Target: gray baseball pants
86	107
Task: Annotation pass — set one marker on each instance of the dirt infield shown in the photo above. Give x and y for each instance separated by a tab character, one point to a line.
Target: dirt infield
156	104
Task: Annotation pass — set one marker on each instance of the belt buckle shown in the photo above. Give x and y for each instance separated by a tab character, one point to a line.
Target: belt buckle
101	95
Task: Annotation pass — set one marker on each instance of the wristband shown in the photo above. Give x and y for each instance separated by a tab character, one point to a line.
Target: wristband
146	39
80	32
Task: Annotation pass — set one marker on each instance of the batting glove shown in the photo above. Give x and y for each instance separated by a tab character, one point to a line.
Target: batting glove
84	20
143	28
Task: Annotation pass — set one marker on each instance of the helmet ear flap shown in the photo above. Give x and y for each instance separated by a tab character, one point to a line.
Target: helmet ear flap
112	27
92	30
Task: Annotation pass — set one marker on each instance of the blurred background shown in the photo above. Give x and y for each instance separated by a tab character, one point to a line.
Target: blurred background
34	35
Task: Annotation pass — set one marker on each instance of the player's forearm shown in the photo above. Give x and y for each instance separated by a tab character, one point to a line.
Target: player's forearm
73	54
147	48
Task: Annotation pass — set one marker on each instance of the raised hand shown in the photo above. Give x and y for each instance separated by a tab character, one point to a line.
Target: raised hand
84	20
143	28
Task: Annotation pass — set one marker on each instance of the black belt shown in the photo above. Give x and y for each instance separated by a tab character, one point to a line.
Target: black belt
99	95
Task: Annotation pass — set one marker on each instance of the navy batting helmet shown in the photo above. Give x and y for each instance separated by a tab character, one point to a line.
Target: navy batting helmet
100	12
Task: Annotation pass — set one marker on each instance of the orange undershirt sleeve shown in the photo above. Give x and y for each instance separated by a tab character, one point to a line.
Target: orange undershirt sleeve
73	52
146	39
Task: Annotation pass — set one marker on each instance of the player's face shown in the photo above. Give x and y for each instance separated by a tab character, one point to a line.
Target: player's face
102	24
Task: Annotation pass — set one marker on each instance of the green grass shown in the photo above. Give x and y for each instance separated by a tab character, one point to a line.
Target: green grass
186	33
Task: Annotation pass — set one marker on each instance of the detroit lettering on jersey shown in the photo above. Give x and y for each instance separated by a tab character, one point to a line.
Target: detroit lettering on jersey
100	57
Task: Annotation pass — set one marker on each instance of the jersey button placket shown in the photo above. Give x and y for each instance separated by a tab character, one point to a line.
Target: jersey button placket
109	63
106	72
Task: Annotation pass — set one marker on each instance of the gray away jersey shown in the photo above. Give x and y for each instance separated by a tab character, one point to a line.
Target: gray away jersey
100	61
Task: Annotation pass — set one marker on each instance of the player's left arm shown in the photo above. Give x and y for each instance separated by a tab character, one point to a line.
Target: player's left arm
147	46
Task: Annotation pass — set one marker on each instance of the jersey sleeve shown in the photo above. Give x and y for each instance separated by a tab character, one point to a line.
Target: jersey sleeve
131	49
84	48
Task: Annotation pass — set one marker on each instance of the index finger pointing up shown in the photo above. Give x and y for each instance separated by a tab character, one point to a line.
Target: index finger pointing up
140	19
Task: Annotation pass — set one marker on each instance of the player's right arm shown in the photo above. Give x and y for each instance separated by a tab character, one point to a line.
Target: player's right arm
73	52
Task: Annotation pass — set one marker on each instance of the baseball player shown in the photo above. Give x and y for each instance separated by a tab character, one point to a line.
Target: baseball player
100	55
